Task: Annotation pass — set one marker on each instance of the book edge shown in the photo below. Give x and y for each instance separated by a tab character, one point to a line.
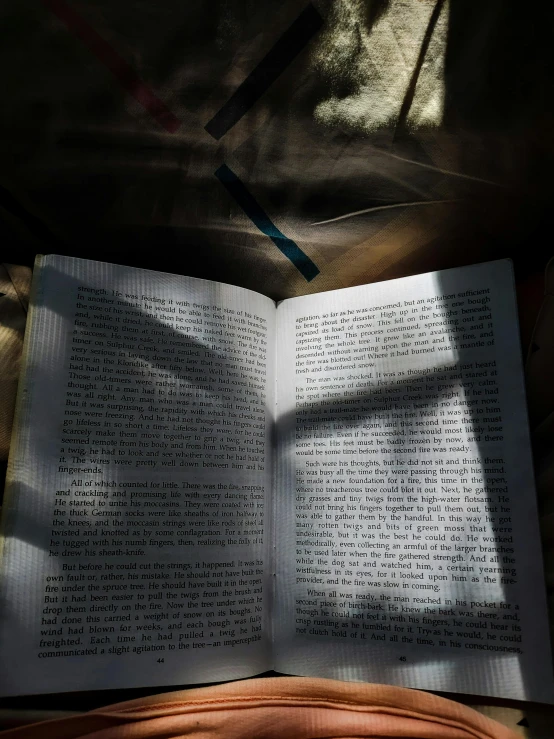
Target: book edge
20	404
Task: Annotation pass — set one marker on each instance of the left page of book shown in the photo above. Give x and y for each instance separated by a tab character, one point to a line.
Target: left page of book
136	536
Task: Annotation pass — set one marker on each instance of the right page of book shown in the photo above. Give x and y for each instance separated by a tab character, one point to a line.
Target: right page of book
407	537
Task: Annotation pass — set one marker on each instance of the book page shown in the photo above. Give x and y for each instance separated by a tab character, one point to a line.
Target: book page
408	548
136	525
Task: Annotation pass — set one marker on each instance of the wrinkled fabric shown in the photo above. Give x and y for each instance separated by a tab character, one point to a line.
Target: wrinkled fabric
273	708
381	138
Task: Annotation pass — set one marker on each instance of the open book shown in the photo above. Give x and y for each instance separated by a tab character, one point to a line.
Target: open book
205	486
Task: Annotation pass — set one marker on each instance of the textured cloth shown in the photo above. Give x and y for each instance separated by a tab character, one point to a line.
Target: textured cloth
289	147
278	708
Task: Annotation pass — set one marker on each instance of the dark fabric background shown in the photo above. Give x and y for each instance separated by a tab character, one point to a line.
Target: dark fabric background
89	170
